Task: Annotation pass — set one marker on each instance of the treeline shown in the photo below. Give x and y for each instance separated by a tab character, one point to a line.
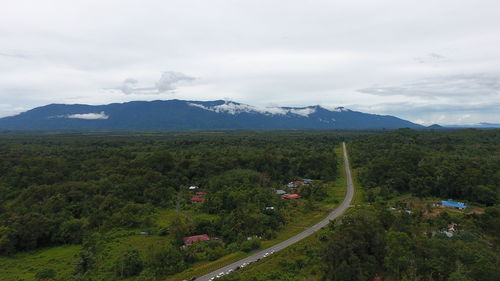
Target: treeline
463	165
56	189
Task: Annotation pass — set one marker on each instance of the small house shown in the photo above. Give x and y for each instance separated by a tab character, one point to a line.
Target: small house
193	187
291	185
307	181
200	193
270	208
197	199
453	204
280	192
291	196
197	238
297	183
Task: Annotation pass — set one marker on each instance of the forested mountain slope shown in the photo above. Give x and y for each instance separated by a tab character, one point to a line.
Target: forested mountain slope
195	115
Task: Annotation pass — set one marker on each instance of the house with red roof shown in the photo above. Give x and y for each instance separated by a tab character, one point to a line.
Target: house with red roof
197	238
196	199
200	193
291	196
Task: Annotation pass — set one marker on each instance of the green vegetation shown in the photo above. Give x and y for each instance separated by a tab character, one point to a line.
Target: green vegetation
99	192
462	165
401	233
80	202
25	266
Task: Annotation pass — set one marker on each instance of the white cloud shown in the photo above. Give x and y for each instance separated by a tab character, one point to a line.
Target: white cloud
233	108
303	111
170	79
89	116
168	82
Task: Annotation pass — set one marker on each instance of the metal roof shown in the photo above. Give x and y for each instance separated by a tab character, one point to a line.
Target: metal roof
454	204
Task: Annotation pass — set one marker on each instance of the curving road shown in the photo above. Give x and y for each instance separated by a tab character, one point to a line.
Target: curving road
282	245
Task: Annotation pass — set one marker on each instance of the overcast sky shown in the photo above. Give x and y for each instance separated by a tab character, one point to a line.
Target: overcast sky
426	61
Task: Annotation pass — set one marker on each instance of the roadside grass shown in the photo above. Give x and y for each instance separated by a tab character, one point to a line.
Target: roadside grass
296	227
201	268
24	266
340	180
281	261
359	196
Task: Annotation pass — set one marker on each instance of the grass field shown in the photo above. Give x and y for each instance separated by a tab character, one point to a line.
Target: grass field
24	266
278	264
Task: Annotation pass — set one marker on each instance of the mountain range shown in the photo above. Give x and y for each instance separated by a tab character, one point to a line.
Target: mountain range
196	115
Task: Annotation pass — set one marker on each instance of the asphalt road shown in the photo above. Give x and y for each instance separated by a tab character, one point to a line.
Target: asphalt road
280	246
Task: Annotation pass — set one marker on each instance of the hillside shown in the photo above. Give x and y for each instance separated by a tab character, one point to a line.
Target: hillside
195	115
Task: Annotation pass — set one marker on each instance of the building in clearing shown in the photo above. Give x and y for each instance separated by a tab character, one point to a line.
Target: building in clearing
453	204
193	187
197	199
280	192
291	196
197	238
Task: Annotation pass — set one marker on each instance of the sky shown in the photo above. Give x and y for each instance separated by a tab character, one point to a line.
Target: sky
426	61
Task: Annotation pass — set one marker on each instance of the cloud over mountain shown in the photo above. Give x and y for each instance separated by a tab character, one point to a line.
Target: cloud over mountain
168	82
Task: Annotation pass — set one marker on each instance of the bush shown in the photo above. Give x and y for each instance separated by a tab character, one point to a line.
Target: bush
164	260
249	245
45	274
129	263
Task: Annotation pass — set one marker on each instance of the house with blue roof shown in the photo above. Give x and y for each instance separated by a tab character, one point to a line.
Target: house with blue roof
453	204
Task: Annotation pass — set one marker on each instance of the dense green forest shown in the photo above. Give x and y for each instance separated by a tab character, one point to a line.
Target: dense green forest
400	233
99	191
83	189
462	165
